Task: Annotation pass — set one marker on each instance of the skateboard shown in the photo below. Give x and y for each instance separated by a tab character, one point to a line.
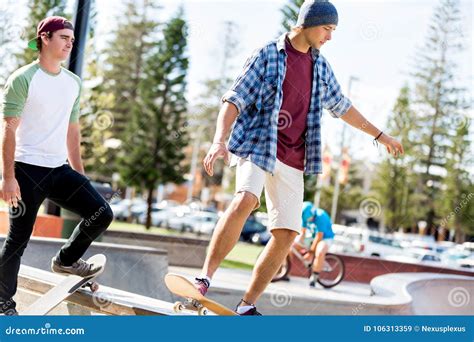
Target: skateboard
195	301
65	288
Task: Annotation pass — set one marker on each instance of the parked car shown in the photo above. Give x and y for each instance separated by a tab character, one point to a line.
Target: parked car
199	206
416	255
468	247
466	262
341	244
427	245
122	209
261	238
200	222
138	209
251	227
203	222
454	256
444	246
167	204
179	219
372	243
262	217
159	217
105	190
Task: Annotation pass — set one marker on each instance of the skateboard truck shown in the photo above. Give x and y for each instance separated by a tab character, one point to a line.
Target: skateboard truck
92	285
190	304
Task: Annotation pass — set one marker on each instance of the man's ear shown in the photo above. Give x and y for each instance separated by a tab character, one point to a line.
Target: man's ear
45	38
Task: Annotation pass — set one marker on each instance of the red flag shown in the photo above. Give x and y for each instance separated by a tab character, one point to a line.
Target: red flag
345	164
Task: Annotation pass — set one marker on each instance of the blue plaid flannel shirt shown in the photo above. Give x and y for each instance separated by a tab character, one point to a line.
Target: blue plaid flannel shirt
258	92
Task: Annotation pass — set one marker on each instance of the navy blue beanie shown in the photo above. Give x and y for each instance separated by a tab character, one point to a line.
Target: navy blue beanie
317	12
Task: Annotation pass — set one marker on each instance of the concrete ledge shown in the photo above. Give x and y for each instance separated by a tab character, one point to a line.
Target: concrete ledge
107	301
130	268
182	251
427	293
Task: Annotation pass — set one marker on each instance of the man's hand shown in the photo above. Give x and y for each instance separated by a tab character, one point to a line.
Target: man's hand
10	192
393	146
217	150
357	120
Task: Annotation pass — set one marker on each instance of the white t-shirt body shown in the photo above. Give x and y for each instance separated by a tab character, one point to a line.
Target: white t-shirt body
45	103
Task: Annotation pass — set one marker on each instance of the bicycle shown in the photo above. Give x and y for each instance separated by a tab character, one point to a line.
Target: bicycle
332	273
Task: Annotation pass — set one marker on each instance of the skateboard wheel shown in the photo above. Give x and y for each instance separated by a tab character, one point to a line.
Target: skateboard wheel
202	311
94	286
178	307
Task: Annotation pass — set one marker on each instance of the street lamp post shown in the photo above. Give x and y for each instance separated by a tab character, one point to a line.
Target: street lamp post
194	161
335	196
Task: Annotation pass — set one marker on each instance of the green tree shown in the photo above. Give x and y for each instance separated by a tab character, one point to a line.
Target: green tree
455	206
396	184
290	13
37	11
438	101
10	34
123	72
158	131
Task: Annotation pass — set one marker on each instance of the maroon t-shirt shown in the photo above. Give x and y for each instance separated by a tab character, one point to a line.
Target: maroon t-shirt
295	107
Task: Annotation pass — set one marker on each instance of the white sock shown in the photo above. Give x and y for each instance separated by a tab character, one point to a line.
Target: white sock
244	308
207	278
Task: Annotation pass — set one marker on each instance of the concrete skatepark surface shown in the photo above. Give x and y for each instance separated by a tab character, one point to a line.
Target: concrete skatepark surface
391	294
139	272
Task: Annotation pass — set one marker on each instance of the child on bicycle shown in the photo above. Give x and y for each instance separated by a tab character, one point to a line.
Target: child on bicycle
318	222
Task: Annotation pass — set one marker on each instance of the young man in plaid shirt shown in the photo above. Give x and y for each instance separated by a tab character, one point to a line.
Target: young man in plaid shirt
276	104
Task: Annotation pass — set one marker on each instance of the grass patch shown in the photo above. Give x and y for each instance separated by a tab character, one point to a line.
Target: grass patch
236	265
242	256
140	228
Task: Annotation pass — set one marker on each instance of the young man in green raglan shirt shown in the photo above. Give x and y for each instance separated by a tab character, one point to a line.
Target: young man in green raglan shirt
41	132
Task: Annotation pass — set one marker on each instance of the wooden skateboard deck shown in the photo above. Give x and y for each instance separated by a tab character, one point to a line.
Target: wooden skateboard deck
182	287
64	289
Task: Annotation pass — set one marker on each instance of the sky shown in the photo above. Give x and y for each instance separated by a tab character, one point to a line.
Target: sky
375	41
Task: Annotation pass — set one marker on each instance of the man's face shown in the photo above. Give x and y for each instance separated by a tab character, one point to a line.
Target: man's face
317	36
59	46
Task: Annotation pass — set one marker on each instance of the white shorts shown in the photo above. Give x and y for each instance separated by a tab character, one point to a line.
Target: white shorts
283	192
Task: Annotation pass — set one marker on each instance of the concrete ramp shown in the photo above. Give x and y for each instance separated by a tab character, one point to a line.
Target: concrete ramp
427	293
391	294
136	269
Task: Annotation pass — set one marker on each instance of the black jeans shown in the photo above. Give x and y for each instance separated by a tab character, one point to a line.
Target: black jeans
70	190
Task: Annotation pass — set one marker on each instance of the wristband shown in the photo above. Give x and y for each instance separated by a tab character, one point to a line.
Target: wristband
375	142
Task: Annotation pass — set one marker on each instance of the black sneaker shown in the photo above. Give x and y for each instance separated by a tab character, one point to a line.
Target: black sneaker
81	268
8	308
250	312
9	312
